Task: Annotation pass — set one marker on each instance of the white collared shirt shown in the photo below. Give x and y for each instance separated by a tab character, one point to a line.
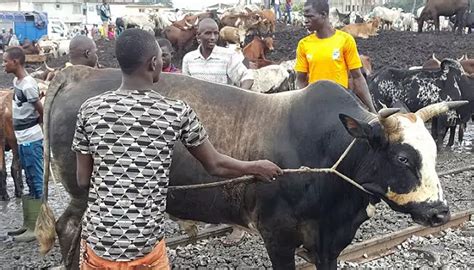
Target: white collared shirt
222	66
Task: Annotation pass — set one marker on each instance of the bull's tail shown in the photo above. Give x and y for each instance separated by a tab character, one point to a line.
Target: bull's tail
45	224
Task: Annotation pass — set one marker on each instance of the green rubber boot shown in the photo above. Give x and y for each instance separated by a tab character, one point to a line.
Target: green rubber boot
32	210
22	229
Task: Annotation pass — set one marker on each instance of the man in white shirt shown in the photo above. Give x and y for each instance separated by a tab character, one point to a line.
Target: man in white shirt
27	117
220	65
213	63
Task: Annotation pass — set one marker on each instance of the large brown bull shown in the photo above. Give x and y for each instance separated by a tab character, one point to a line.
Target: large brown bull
182	39
8	142
435	8
249	22
393	158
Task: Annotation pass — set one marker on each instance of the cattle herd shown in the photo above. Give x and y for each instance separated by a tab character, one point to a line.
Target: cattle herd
269	49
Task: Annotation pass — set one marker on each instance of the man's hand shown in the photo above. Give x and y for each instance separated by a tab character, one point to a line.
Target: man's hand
265	170
221	165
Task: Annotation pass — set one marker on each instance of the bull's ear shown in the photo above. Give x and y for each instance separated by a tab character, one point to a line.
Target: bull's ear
356	128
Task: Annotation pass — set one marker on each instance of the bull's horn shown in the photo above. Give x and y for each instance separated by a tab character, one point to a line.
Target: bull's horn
390	124
47	67
434	57
436	109
188	24
386	112
197	22
460	59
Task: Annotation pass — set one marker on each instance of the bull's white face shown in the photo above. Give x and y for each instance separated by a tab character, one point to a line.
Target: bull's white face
400	167
428	189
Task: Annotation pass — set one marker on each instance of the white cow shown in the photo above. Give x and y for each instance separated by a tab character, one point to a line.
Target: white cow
388	16
270	79
63	47
406	22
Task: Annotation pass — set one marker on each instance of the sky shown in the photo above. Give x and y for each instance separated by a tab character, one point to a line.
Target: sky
199	4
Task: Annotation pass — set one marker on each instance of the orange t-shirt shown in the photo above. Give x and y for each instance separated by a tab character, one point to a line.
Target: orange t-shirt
329	58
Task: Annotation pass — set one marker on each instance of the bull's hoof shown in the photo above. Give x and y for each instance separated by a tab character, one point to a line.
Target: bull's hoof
4	197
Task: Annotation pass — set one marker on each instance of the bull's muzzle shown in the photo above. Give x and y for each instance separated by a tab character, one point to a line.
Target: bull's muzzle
432	214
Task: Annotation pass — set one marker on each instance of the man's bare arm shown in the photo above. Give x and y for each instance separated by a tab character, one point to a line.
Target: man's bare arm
39	108
301	79
84	166
221	165
361	89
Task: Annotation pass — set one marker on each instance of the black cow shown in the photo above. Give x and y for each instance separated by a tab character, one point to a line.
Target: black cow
393	157
468	21
419	88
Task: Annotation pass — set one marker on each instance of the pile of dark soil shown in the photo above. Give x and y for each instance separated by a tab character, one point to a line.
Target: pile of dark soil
403	49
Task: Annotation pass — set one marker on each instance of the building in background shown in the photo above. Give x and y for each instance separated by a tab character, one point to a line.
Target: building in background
77	12
361	6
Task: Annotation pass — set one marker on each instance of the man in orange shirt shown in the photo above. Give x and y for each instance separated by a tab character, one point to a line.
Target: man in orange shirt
328	54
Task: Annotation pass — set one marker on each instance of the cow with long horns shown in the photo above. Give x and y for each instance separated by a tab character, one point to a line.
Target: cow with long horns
421	87
392	157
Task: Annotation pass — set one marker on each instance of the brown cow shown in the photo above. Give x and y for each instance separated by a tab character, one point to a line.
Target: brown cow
467	64
436	8
362	30
30	47
187	22
269	20
232	35
8	141
432	63
258	48
181	39
245	21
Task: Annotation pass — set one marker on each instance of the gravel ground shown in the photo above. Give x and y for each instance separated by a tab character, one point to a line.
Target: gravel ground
210	253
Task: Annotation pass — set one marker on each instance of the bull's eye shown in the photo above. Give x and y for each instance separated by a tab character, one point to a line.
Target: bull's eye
403	160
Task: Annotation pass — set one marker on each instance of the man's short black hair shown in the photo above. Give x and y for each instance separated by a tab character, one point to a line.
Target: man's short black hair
133	48
16	53
163	42
319	5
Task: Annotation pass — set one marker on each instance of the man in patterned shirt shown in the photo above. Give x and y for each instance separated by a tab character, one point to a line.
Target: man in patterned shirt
213	63
124	142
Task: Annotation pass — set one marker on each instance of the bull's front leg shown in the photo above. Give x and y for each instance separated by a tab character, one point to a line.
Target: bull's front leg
68	229
452	133
279	235
462	126
281	248
3	175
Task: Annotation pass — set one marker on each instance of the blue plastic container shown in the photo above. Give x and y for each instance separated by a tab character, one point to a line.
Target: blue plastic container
24	24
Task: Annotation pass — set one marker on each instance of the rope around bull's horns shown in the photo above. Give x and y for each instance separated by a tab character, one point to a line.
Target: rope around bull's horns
301	170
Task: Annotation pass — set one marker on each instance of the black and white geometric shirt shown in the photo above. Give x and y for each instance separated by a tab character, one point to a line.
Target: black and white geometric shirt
131	136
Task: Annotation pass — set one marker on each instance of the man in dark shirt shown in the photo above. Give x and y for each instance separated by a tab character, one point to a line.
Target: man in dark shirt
124	147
